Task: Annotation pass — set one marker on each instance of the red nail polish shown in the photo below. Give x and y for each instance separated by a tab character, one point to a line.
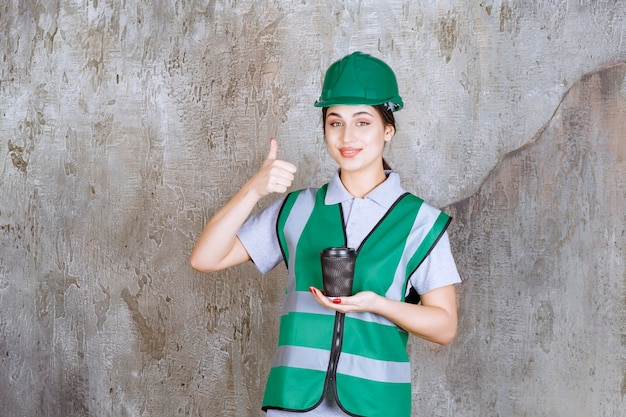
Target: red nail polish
337	301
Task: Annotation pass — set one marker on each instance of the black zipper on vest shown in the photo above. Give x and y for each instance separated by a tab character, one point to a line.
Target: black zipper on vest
335	351
337	341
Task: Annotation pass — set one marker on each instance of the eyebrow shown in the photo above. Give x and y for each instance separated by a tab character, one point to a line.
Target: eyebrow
360	113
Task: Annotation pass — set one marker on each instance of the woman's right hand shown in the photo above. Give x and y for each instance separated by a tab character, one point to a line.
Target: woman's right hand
218	247
274	176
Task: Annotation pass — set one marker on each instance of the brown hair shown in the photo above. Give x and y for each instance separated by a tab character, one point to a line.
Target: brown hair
385	113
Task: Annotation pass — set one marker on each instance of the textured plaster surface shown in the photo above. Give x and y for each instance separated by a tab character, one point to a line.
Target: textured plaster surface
125	125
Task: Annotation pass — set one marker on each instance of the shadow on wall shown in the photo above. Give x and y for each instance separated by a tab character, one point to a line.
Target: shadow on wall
542	246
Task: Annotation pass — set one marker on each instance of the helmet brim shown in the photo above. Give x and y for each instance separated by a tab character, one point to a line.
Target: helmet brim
358	101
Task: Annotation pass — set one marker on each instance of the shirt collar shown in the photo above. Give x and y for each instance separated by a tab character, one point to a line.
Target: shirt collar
384	195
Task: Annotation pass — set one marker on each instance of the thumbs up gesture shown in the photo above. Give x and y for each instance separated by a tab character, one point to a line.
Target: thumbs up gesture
275	175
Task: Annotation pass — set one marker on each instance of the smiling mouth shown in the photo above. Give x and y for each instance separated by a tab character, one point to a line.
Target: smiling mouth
349	152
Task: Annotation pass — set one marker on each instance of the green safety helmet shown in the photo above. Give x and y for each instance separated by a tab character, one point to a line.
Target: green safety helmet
360	79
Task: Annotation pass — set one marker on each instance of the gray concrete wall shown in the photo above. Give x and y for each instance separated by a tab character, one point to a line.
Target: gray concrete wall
125	125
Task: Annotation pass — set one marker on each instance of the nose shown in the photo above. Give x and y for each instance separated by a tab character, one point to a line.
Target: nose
348	134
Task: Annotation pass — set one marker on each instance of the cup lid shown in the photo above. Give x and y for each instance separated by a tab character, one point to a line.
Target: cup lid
340	252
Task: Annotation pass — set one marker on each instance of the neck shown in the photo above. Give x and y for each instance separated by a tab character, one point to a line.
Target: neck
359	184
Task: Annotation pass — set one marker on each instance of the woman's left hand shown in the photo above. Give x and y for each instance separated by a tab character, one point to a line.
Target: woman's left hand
359	302
434	319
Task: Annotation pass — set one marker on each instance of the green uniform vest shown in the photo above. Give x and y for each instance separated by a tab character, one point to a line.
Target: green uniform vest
361	356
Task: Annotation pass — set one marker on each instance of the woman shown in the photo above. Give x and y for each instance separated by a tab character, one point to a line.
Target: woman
345	355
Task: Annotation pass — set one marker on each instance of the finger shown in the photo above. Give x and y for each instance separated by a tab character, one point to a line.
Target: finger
279	177
318	295
281	182
286	166
273	149
321	298
284	175
280	167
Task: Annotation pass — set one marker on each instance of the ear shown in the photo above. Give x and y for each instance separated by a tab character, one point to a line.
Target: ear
389	132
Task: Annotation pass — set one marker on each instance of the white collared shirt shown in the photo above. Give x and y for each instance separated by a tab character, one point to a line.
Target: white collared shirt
258	234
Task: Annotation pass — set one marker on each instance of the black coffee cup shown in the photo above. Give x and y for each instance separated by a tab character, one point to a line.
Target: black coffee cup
338	271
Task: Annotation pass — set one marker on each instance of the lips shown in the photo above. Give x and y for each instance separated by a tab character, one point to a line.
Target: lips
349	152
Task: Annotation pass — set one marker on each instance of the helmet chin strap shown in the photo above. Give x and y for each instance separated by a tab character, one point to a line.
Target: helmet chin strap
391	106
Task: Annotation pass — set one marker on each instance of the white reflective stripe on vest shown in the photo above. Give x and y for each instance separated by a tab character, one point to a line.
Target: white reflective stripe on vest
373	369
372	318
352	365
303	302
424	221
293	230
302	357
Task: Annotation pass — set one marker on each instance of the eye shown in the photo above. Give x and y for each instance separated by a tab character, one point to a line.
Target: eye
334	124
362	123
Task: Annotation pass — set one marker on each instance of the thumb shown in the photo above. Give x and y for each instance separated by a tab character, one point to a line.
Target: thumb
273	149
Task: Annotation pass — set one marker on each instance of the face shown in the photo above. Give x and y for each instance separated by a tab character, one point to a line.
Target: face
356	137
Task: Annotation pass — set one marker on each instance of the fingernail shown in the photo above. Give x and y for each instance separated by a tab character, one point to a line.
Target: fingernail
336	300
